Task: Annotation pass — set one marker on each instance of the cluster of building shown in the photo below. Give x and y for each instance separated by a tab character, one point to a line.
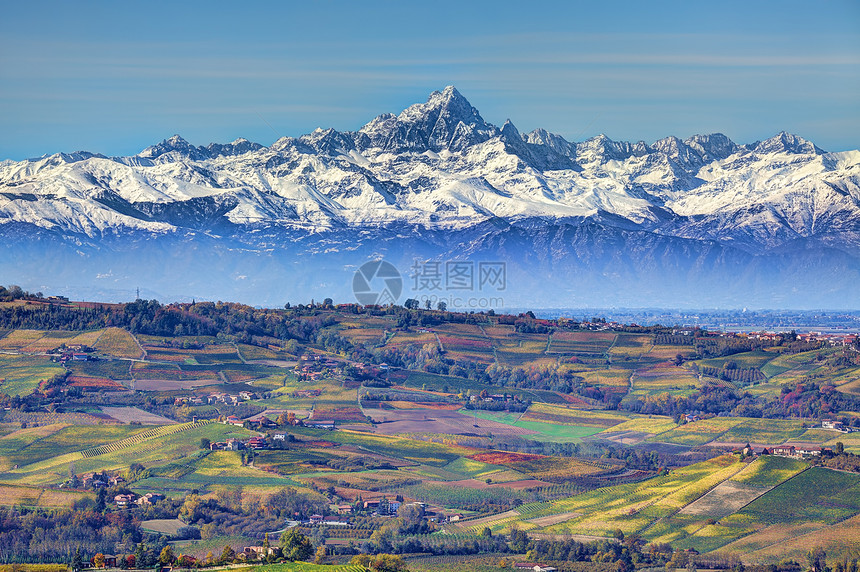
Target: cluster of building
534	566
215	398
73	352
93	481
792	451
382	507
320	520
128	499
834	425
489	398
261	422
829	339
254	443
312	367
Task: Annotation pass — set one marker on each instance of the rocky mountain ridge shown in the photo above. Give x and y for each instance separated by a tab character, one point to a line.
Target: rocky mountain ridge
447	183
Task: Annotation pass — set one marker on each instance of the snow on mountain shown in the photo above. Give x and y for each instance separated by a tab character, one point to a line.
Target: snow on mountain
440	164
438	167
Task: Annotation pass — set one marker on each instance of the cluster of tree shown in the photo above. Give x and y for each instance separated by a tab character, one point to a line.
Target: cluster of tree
670	339
710	398
245	323
292	546
409	521
731	372
548	377
434	544
805	399
513	405
840	459
709	346
809	399
625	553
43	535
380	562
227	515
14	292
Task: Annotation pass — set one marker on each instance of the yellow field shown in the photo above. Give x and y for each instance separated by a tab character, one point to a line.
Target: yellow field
669	352
33	567
631	346
699	432
170	447
851	441
403	338
86	338
31	496
631	507
19	339
118	343
607	377
49	341
777	542
647	424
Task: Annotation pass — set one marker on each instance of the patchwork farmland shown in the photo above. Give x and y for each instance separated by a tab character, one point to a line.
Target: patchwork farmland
495	423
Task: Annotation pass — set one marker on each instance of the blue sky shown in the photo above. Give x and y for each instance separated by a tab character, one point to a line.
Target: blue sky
114	77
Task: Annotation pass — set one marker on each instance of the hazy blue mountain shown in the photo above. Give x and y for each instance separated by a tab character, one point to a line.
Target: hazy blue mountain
696	222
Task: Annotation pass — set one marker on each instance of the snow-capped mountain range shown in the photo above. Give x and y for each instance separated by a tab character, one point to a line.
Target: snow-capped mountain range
600	221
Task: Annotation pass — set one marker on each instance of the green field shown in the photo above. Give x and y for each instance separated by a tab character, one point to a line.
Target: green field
20	375
548	431
656	508
744	360
769	431
726	505
111	369
698	432
630	507
163	449
816	495
769	471
35	445
422	452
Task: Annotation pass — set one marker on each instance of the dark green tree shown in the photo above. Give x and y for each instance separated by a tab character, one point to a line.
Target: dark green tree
295	545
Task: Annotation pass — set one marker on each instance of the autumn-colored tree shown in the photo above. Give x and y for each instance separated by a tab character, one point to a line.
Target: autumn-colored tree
380	562
99	560
228	555
817	559
208	530
167	556
319	557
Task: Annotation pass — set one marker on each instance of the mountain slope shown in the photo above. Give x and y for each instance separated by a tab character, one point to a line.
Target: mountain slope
626	223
